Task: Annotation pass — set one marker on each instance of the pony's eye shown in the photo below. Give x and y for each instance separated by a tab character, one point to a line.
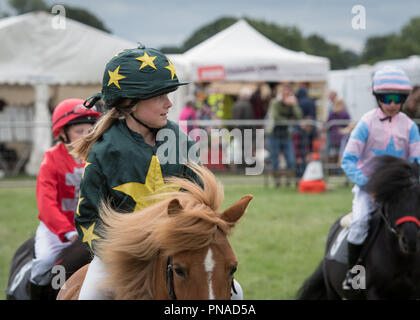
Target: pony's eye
179	272
233	270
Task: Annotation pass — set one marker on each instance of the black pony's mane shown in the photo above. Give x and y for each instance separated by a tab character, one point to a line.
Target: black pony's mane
392	176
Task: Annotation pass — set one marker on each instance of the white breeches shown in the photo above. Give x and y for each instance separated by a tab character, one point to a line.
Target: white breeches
363	205
47	247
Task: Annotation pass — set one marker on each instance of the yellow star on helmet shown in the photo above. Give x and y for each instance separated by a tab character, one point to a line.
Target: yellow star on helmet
114	77
171	68
88	234
138	191
147	61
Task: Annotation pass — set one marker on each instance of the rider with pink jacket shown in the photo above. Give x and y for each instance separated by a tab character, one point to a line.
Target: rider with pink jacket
381	131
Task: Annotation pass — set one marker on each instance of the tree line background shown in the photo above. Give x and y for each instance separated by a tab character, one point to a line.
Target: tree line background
397	45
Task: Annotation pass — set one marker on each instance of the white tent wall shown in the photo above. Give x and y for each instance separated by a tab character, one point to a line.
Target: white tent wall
354	87
241	53
42	131
57	63
410	65
178	97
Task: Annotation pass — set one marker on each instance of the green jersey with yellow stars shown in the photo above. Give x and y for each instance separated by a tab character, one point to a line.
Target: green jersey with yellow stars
122	169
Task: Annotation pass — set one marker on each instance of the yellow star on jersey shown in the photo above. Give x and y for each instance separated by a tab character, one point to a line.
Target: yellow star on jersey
114	77
86	165
138	191
147	61
78	204
171	68
88	235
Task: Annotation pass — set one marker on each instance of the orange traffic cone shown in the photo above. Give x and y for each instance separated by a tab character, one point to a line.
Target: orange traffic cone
313	177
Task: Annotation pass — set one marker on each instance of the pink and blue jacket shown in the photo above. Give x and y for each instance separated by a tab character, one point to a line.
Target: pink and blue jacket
398	136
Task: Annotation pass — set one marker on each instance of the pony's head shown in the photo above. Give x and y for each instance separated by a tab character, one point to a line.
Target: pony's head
395	186
176	248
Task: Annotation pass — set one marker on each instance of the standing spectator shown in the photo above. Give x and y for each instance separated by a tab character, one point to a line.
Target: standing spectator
303	143
242	110
280	135
188	115
412	106
308	130
306	103
259	104
338	112
332	96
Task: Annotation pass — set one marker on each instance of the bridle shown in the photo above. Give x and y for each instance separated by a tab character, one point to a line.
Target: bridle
170	279
383	212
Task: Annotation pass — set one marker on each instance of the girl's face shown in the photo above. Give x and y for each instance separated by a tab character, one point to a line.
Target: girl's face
154	111
77	131
390	109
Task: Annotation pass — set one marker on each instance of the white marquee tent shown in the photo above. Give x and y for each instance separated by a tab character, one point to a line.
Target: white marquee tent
242	54
38	54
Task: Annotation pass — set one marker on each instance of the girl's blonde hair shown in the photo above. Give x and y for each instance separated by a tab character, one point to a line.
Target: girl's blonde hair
81	147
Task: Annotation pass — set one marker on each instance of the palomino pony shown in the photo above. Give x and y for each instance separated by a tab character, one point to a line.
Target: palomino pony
175	249
390	257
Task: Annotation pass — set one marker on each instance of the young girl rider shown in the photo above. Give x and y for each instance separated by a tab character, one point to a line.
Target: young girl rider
57	191
124	162
381	131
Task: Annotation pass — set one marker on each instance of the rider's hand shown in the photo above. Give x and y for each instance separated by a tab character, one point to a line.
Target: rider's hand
74	238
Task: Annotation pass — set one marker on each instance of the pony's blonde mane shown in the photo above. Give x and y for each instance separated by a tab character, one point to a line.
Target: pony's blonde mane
133	242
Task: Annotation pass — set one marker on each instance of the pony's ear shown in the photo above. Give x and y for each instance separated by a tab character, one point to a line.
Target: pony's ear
174	207
235	212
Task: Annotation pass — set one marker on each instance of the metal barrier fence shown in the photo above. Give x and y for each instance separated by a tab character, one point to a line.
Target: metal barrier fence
236	147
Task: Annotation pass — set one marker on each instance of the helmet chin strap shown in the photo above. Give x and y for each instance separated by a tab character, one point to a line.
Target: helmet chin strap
132	104
153	130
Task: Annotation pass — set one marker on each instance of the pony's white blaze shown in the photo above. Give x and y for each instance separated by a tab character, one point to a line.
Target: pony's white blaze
209	264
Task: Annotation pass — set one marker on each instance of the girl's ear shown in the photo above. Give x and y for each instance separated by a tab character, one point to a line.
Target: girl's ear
62	135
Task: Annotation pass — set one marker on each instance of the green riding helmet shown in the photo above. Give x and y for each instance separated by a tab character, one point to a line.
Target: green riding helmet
141	73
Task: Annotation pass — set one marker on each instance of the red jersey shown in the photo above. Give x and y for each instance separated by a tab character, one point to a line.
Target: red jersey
57	190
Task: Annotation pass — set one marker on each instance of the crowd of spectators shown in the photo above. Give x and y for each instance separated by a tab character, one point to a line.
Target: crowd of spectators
294	127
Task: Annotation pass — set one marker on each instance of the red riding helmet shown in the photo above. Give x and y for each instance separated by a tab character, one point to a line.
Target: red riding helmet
71	111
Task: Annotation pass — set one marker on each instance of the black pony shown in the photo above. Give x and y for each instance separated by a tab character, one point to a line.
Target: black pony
71	258
389	267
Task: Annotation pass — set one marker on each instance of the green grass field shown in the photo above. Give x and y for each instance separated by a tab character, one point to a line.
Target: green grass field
278	243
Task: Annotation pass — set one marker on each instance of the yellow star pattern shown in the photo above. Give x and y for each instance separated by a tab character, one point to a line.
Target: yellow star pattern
114	77
88	235
78	204
86	165
147	61
138	191
171	68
